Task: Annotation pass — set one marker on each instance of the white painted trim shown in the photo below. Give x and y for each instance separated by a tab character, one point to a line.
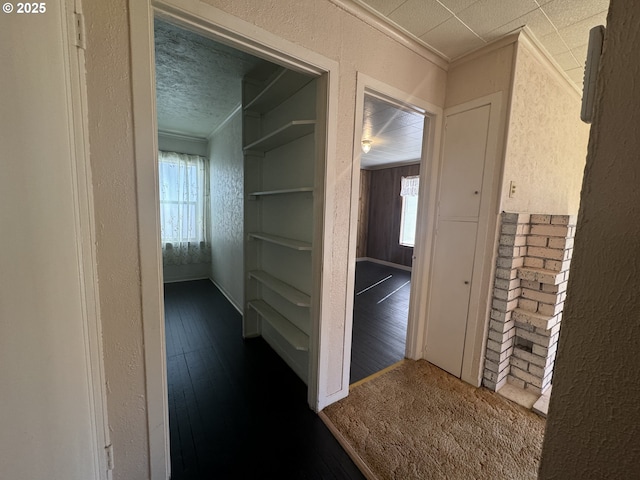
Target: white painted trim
146	147
529	41
226	295
324	181
181	136
486	49
237	109
423	251
395	32
187	279
85	238
213	23
524	37
484	258
427	212
383	262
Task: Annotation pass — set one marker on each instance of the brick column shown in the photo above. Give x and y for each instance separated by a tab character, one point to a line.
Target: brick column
532	269
511	254
543	280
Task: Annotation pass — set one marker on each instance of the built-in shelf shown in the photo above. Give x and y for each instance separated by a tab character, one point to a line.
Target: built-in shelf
283	85
288	133
283	191
283	289
282	241
292	334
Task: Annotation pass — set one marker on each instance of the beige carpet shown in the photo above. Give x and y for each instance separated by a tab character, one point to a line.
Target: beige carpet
418	422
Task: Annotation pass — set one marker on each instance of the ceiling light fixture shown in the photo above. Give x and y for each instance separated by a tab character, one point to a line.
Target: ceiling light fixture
366	146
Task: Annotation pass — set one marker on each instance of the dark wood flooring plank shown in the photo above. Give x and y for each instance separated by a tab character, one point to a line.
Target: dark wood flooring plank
379	319
236	410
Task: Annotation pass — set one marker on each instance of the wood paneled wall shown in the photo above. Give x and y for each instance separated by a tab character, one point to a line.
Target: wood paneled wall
380	213
363	213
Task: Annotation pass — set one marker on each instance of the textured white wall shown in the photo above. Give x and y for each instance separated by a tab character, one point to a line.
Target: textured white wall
114	189
226	163
546	143
594	417
320	26
491	72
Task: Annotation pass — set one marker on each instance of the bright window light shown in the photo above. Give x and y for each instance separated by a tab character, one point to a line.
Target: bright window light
409	216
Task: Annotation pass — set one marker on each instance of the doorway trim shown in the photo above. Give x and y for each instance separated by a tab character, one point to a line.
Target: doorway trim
225	28
429	167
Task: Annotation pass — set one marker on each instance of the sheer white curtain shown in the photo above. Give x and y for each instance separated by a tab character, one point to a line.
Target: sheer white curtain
409	188
184	208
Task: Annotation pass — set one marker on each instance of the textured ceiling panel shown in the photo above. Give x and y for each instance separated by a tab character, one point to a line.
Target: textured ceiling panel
487	15
567	12
562	26
395	134
452	38
537	21
420	16
198	81
385	7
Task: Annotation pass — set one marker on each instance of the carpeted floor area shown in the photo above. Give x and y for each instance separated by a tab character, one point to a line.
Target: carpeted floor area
416	421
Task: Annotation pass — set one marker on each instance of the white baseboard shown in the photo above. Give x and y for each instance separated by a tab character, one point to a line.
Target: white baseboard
184	279
227	296
383	262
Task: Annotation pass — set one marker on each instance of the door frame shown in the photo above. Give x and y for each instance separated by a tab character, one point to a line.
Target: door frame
74	58
425	227
225	28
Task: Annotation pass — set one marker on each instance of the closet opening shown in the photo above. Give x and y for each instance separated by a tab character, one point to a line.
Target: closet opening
241	166
390	168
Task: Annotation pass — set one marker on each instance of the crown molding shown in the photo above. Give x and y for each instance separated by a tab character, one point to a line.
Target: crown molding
497	44
527	39
181	136
228	118
372	18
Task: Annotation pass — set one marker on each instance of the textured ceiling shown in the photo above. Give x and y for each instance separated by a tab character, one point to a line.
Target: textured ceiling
395	134
198	81
457	27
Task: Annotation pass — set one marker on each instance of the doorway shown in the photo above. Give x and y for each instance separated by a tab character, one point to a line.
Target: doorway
392	143
225	108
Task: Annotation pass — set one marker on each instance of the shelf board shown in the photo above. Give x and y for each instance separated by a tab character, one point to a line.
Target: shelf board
292	334
288	133
282	241
281	192
283	289
281	87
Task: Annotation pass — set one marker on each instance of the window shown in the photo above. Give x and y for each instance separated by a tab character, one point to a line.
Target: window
409	193
184	208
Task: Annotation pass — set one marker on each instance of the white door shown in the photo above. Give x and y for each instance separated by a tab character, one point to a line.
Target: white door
463	165
49	426
449	307
464	150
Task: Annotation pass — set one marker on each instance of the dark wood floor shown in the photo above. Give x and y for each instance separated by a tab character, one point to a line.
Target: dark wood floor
380	313
236	410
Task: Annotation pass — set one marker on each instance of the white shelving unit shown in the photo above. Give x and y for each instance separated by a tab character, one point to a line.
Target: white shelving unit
283	241
295	337
283	135
279	127
283	191
285	290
